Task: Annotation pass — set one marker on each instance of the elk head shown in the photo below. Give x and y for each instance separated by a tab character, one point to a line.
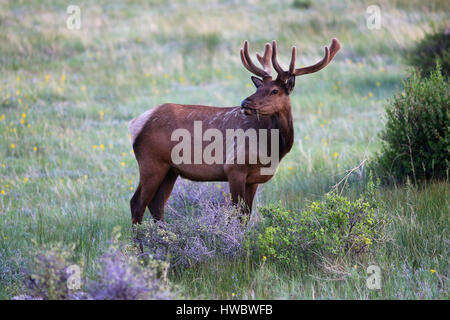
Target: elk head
272	96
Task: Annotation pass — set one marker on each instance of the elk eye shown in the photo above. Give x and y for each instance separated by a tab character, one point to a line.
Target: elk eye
275	91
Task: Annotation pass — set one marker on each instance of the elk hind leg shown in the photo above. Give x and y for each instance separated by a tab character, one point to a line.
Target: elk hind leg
148	185
158	202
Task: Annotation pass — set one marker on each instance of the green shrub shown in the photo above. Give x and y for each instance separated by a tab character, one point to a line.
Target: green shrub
335	226
302	4
415	141
432	48
47	276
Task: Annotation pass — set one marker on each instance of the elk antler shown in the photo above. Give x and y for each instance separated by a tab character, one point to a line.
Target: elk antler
329	55
264	60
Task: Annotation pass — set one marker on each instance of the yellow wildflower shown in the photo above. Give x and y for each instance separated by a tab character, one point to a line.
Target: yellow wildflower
432	270
2	192
13	146
335	154
25	179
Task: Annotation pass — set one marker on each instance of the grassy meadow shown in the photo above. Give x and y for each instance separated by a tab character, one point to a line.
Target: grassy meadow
67	170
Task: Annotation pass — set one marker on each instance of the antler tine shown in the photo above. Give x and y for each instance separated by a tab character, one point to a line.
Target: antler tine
293	57
329	55
275	63
250	66
265	60
334	48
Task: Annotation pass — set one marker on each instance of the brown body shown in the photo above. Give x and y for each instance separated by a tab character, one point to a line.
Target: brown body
269	108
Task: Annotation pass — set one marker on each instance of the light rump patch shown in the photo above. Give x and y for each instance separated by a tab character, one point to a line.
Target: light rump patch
135	126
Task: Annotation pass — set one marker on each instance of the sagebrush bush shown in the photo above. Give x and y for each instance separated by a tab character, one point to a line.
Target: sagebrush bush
415	140
47	275
123	276
432	48
199	225
120	275
332	227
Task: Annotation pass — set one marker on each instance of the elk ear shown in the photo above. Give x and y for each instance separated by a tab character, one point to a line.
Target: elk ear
257	82
290	84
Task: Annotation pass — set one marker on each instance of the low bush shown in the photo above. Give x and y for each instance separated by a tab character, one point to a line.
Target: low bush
415	141
199	224
47	275
120	275
335	226
302	4
124	276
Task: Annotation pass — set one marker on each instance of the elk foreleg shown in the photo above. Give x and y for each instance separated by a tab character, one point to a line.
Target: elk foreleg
236	180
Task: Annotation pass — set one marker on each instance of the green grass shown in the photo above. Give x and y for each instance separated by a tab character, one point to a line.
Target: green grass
70	173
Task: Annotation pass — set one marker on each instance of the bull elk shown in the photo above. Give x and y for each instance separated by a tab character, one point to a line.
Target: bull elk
269	108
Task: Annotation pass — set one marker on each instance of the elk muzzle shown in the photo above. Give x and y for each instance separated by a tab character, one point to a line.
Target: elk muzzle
246	105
